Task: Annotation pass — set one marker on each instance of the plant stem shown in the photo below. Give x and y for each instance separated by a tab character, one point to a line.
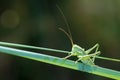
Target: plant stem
106	58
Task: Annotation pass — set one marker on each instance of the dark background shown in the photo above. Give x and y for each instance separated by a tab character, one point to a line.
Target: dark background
36	22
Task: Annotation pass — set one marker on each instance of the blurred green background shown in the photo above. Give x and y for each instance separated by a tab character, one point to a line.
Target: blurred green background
36	22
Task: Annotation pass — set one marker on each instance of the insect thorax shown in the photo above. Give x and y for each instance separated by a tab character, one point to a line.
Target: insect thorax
77	50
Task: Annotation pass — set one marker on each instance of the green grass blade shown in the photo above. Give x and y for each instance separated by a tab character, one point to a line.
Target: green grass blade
110	59
31	47
62	62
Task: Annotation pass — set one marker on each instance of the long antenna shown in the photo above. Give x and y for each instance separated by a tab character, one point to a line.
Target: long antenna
67	35
66	22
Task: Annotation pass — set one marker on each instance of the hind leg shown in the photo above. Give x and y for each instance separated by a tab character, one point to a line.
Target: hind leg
96	46
94	55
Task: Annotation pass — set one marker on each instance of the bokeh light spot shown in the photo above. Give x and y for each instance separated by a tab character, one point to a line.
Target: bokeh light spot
9	19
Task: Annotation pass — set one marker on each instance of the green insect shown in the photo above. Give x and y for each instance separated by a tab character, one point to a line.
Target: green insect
82	54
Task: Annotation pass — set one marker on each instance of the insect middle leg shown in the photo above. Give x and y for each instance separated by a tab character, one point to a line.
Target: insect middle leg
86	59
78	59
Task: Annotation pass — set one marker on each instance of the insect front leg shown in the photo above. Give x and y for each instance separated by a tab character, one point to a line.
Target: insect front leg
71	54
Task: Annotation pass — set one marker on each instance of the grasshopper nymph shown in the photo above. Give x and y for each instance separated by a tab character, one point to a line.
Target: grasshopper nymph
82	54
78	51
